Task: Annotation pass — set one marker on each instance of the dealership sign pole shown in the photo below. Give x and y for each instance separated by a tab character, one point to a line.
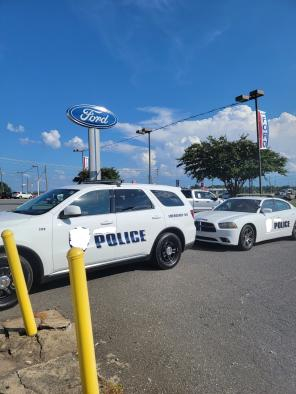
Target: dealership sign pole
94	118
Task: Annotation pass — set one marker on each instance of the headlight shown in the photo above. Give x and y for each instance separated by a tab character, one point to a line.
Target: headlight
227	225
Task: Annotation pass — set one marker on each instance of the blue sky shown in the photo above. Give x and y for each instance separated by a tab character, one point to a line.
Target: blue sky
151	63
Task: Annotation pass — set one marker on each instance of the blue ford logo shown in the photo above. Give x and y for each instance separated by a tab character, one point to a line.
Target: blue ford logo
91	116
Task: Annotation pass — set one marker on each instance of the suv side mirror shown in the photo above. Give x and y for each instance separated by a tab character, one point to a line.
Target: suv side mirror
266	210
70	211
214	198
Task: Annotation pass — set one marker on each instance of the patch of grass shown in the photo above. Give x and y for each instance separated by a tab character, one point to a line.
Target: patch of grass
108	387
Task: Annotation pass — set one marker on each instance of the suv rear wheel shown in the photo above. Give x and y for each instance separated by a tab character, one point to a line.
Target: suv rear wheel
167	251
8	296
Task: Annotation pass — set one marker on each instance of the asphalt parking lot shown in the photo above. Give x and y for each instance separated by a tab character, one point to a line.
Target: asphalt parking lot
222	321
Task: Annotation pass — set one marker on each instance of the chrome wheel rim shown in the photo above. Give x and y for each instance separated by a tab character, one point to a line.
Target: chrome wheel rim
248	237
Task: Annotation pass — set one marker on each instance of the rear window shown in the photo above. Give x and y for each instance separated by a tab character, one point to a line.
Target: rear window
168	199
187	193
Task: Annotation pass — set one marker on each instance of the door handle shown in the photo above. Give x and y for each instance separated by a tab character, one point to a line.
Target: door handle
106	222
156	217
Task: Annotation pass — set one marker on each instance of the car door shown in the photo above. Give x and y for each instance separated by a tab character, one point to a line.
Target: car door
96	216
205	201
265	227
138	220
283	226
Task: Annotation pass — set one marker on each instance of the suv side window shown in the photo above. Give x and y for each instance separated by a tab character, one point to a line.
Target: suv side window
96	202
281	205
168	199
131	200
187	193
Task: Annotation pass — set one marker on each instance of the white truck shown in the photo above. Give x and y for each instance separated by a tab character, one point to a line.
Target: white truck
201	200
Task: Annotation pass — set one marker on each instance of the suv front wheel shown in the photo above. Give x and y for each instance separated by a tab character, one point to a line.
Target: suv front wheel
8	296
167	251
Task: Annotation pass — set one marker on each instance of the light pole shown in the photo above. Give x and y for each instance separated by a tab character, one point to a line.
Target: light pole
82	155
38	178
147	131
22	175
1	182
253	95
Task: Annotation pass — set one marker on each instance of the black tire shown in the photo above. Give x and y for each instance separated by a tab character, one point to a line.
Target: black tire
293	236
167	251
247	237
7	290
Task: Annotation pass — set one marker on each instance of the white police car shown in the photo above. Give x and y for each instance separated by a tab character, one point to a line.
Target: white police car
242	221
124	222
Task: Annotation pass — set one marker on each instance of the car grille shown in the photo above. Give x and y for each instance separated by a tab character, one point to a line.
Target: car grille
200	238
205	226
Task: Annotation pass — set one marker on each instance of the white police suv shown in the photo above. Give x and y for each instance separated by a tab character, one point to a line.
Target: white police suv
242	221
124	222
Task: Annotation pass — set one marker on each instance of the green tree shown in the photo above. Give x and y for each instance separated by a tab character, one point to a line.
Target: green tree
107	173
233	162
4	188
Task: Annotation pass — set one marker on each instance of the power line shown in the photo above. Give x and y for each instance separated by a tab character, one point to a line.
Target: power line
172	124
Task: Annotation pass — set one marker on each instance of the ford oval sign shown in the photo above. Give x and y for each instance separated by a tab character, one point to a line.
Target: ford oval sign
91	116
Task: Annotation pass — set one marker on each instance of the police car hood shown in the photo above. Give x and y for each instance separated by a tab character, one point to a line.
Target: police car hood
10	219
220	216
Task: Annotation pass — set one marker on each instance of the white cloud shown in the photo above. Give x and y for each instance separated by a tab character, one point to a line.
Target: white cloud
15	128
28	141
144	158
52	138
168	144
123	147
76	143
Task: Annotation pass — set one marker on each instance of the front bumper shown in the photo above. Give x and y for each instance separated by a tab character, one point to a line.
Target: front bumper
224	237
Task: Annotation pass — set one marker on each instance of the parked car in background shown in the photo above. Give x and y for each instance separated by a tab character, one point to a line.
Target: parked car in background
201	200
287	194
21	195
224	196
244	221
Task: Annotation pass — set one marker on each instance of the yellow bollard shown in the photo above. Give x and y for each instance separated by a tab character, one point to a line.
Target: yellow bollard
19	282
84	334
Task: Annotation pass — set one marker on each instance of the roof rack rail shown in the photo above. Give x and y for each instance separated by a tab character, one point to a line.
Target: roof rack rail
103	182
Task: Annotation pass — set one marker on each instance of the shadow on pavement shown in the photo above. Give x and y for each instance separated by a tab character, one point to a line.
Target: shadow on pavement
95	273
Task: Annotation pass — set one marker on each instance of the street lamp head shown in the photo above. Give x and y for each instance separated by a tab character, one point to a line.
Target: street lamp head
242	98
256	93
143	131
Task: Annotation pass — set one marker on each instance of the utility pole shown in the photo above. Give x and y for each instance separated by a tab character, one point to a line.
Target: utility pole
1	182
38	178
22	179
46	180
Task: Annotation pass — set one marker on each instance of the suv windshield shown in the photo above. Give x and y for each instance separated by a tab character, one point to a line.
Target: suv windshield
239	205
45	202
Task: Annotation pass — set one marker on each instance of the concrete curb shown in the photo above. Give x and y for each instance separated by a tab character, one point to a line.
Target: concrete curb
45	363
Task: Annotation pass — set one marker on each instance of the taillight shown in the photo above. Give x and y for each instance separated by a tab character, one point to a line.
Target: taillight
192	213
